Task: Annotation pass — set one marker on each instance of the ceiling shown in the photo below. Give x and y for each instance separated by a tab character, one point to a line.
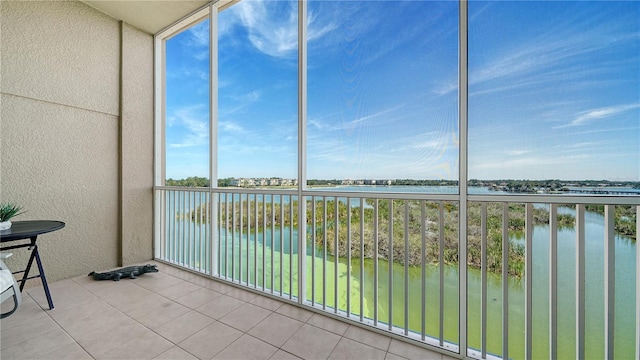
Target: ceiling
149	16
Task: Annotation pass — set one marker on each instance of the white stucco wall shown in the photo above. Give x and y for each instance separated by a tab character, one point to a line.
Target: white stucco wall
66	152
137	145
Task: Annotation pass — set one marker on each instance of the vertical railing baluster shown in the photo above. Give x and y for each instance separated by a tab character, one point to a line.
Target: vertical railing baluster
609	281
219	230
637	283
162	231
336	246
183	237
174	234
291	247
390	264
313	251
483	282
200	232
441	269
362	259
249	246
375	261
226	235
406	267
281	243
240	236
348	288
528	296
248	242
324	253
505	280
191	233
273	237
233	237
423	273
264	242
553	281
255	242
580	283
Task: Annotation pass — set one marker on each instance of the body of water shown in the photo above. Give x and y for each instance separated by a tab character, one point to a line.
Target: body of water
323	277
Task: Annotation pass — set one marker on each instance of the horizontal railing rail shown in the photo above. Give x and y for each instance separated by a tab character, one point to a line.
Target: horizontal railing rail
539	267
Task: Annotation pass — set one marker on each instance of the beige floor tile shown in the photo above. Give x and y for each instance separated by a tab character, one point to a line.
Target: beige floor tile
82	311
247	348
329	324
184	326
198	298
175	353
69	352
89	324
351	349
102	337
311	342
160	314
27	311
129	298
391	356
206	343
412	352
283	355
219	286
241	294
27	330
65	294
220	306
156	282
179	290
267	303
276	329
145	345
245	317
295	312
36	346
368	337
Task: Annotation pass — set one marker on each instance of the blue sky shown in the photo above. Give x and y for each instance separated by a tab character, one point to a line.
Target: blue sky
554	91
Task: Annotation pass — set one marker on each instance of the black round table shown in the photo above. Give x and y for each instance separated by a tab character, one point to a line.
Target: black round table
21	230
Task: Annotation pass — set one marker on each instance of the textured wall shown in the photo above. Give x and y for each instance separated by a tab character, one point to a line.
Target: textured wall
64	150
137	145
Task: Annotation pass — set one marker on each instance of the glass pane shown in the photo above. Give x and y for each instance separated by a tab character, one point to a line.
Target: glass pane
258	94
382	95
554	93
187	109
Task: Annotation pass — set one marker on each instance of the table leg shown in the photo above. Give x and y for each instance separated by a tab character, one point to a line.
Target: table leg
44	279
36	255
34	250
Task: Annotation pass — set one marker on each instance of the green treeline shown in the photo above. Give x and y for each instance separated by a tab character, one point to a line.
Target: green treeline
343	221
193	181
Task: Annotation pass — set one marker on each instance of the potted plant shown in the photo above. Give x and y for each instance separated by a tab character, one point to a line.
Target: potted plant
7	211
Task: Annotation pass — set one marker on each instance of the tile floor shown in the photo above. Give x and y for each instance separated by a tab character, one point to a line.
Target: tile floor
174	314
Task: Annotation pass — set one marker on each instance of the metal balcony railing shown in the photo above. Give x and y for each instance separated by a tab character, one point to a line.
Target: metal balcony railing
546	276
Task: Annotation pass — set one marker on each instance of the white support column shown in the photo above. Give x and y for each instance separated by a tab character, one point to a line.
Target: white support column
462	176
213	136
302	150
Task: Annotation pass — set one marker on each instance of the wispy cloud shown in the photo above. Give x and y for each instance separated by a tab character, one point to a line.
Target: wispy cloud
591	115
329	123
272	27
194	122
552	56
